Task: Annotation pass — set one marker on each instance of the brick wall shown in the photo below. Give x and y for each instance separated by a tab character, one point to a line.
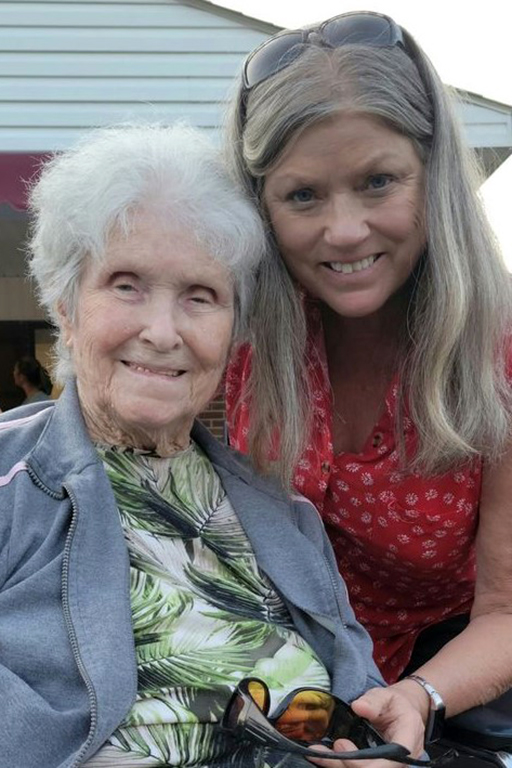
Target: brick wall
214	417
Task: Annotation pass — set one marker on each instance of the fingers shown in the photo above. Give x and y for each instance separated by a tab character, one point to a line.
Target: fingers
344	745
393	715
341	745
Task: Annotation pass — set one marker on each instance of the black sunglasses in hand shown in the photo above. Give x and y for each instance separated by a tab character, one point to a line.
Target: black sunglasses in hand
311	716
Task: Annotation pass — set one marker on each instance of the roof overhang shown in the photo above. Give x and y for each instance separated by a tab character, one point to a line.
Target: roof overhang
488	129
487	126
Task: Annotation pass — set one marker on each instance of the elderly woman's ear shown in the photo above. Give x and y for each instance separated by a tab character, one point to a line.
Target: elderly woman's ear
65	324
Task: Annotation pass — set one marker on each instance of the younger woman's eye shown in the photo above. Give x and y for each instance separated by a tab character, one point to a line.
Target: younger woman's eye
305	195
378	181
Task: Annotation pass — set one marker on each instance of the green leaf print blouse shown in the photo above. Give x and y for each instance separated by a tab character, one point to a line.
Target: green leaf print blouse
204	617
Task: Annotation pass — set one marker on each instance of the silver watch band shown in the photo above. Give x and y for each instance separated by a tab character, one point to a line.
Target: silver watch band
435	721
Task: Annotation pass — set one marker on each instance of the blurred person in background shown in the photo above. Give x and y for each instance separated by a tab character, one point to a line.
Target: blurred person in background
30	376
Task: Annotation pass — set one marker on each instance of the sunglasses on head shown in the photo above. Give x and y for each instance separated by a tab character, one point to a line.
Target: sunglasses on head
310	716
354	28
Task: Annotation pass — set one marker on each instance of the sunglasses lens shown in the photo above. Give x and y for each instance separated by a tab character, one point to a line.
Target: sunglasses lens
345	724
259	694
275	55
362	29
307	716
312	716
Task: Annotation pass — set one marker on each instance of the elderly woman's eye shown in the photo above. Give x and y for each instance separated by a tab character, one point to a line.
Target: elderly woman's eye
202	297
124	284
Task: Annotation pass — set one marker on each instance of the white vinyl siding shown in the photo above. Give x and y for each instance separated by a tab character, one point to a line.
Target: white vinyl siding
67	66
486	126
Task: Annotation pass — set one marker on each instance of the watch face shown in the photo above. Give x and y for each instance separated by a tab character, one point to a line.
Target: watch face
435	724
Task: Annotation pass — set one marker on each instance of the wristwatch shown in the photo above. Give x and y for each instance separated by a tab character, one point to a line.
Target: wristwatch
435	720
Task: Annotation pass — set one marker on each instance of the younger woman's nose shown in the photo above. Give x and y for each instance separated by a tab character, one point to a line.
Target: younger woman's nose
346	224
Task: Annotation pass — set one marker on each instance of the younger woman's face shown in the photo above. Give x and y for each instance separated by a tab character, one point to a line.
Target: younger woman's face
346	202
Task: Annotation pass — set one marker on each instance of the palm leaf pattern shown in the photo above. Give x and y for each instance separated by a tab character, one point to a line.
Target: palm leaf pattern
204	617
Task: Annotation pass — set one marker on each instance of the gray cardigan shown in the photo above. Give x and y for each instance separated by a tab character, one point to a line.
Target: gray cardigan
67	659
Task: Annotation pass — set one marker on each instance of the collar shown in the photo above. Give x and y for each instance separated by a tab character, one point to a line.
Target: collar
64	448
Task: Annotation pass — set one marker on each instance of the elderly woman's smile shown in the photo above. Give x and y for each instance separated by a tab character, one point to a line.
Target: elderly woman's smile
152	371
151	335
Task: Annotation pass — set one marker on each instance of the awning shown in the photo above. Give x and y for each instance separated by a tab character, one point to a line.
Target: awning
16	171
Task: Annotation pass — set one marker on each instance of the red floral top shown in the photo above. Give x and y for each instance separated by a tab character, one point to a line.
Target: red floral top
404	543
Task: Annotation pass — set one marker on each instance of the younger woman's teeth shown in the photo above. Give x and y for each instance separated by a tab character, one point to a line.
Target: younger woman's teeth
355	266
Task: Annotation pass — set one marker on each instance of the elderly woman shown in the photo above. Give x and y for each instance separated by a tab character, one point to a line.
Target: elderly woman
145	571
377	377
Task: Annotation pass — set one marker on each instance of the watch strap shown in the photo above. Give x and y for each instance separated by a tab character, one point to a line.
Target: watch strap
435	720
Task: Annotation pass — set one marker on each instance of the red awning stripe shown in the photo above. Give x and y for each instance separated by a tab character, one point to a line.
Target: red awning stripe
16	171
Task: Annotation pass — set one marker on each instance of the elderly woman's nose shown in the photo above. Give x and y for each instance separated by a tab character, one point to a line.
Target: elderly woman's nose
346	222
161	325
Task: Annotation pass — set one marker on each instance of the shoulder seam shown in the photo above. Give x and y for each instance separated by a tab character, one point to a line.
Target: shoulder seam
298	498
20	422
21	466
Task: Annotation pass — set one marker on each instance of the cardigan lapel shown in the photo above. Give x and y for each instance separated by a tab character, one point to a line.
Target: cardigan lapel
297	568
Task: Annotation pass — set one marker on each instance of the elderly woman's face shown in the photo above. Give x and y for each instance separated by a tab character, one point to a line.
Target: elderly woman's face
151	334
346	204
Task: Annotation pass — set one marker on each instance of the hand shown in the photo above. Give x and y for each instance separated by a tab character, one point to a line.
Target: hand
390	713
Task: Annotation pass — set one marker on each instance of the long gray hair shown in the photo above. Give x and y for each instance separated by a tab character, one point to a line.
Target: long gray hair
98	185
453	356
